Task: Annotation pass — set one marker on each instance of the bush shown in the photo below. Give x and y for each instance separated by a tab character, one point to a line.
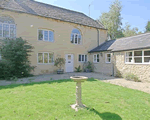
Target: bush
118	74
15	55
59	62
131	76
88	67
78	69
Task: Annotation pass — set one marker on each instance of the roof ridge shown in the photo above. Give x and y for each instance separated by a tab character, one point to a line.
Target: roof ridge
134	36
56	6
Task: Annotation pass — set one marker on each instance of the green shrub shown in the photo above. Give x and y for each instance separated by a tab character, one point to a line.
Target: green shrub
78	69
88	66
131	76
59	62
118	74
15	55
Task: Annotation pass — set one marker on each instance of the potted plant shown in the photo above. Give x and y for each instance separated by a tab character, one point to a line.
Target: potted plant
59	62
88	67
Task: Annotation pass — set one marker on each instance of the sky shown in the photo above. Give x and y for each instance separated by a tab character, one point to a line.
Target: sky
135	12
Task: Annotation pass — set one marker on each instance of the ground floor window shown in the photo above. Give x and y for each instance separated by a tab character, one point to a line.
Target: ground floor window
138	56
45	58
96	58
108	58
82	58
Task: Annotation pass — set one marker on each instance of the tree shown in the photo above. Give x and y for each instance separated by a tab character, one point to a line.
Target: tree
112	19
128	31
147	27
15	52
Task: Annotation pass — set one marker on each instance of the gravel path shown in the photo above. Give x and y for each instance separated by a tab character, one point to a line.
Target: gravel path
145	87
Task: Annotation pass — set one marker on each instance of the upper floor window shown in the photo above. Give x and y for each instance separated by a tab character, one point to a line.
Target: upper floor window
46	35
108	58
96	58
82	58
7	27
76	36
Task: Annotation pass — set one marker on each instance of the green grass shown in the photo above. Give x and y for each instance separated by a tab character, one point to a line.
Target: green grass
51	101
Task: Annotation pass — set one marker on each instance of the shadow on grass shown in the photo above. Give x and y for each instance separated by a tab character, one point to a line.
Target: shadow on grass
106	115
43	82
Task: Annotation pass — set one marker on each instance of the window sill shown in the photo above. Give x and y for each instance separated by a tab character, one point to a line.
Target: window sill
137	63
45	63
45	41
108	62
95	62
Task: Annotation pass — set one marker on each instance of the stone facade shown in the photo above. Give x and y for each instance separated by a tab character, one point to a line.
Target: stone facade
118	65
141	70
62	35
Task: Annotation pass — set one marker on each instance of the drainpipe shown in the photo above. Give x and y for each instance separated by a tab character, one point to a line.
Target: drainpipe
98	37
113	64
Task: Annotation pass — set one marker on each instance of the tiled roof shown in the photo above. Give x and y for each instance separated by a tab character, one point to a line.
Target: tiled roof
50	11
141	41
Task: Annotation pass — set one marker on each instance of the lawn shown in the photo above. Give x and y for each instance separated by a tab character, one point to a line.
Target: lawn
51	101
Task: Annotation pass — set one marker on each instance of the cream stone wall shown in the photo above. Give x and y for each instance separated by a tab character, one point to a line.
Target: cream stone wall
62	34
141	70
102	66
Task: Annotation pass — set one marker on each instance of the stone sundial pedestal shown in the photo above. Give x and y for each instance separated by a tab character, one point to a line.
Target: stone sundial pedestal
78	80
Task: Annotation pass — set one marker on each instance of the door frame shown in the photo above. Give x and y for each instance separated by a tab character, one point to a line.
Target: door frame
72	59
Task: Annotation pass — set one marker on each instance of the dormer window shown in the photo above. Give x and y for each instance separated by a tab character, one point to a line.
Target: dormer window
7	27
76	36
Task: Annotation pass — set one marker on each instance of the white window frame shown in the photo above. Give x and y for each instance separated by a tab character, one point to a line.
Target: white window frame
43	35
96	58
9	29
43	58
106	58
81	57
132	61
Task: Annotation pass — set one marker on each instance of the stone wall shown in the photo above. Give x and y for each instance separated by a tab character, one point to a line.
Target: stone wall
141	70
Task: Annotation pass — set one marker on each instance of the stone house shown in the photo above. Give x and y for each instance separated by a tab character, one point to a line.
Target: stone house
124	55
58	32
53	31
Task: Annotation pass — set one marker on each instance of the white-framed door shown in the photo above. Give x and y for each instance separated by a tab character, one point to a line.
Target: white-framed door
69	63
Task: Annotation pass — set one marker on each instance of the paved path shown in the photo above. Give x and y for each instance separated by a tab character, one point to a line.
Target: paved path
145	87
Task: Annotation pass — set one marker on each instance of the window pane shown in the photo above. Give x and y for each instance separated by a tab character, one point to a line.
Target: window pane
82	57
51	58
79	39
72	38
128	59
45	57
137	53
12	31
76	39
108	59
40	57
146	53
85	57
108	55
0	30
40	37
146	59
138	60
97	56
46	35
79	57
97	60
5	30
128	54
51	36
94	58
